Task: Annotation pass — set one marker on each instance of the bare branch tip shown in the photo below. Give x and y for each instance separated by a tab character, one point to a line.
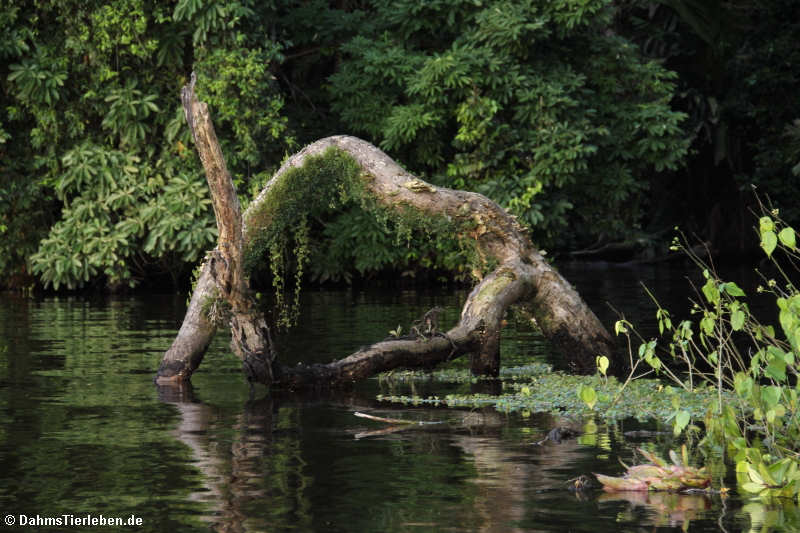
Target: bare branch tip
187	99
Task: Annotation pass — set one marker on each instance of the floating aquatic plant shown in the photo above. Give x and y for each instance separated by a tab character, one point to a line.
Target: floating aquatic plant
463	375
535	389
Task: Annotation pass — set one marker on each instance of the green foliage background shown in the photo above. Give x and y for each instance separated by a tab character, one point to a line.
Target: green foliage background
592	120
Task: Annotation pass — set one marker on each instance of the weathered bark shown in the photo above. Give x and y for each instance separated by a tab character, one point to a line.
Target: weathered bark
222	276
522	276
191	343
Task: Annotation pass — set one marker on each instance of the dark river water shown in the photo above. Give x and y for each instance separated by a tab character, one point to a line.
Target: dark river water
85	431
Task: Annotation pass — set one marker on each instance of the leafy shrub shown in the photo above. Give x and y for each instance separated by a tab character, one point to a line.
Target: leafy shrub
729	349
119	215
532	103
91	118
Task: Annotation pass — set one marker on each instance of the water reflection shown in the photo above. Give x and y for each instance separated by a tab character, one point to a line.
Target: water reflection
774	516
307	463
662	508
248	463
85	431
502	476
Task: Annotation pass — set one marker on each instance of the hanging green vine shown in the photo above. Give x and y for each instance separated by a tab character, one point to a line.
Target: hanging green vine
279	228
281	222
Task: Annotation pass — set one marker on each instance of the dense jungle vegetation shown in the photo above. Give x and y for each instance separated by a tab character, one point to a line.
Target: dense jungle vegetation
594	121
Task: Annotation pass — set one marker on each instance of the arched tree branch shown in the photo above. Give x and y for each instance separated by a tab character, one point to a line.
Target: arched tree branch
521	277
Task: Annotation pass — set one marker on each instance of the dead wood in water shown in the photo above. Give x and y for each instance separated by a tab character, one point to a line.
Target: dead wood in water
222	275
521	277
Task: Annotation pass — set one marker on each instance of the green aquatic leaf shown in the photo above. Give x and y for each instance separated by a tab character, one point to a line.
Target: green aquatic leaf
733	289
743	384
776	369
711	291
602	364
675	458
766	476
771	395
751	487
737	320
587	395
681	421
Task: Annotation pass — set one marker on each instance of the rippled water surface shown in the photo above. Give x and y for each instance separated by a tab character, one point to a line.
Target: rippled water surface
85	430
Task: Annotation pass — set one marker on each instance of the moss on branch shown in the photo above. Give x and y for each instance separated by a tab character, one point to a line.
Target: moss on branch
277	235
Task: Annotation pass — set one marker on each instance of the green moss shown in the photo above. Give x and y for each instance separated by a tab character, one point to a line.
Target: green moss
488	292
278	228
441	234
324	182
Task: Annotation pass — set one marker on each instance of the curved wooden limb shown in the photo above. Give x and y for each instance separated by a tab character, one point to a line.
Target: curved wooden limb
468	336
563	316
522	277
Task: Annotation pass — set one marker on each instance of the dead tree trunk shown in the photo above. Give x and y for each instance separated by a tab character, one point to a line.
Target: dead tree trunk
222	283
522	277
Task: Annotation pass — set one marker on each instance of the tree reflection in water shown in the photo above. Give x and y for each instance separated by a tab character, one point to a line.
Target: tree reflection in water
252	466
308	464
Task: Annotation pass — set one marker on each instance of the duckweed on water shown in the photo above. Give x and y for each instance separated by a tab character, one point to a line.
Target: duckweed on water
536	389
462	375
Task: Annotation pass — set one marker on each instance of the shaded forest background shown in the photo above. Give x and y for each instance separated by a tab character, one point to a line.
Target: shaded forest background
593	121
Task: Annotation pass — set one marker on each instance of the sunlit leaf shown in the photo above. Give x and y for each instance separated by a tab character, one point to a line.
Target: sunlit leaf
737	320
787	237
602	364
587	395
768	242
682	419
733	289
751	487
771	395
711	292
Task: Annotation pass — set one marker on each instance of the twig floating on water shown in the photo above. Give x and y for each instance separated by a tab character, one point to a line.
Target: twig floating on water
394	420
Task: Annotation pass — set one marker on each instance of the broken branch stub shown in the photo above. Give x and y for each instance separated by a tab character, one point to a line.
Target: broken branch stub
520	276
